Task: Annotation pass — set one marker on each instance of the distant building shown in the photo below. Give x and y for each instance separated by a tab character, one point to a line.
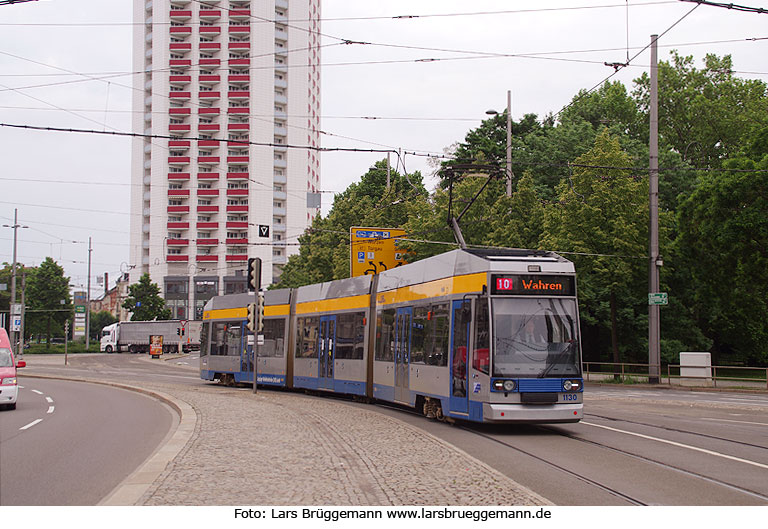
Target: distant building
227	86
113	299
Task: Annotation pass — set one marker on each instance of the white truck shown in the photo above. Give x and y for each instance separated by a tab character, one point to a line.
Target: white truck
134	336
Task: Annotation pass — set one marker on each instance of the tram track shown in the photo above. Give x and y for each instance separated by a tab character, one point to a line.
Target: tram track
655	462
676	430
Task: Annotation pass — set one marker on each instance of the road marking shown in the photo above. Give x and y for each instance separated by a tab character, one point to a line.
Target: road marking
38	392
50	409
680	445
741	422
30	425
49	399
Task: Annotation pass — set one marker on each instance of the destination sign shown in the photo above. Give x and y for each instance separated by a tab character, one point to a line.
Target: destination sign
532	285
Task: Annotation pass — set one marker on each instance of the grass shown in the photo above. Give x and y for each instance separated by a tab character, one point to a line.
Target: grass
72	348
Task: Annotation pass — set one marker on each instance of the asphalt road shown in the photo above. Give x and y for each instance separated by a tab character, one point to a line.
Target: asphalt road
635	446
71	443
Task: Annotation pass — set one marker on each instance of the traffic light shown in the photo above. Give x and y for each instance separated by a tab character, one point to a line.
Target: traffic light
252	311
260	313
178	331
254	274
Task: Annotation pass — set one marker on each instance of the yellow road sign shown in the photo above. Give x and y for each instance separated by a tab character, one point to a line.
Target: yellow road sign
373	250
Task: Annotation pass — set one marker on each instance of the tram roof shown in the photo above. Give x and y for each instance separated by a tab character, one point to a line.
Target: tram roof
461	262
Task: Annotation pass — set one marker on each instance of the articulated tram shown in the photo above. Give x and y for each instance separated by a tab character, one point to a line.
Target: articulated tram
480	335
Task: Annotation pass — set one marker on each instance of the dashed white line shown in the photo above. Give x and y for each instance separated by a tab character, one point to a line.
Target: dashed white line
38	392
30	425
49	399
50	409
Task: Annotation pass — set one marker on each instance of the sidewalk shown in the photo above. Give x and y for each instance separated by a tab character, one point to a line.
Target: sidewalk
279	448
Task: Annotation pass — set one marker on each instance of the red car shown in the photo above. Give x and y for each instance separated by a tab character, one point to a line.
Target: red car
9	389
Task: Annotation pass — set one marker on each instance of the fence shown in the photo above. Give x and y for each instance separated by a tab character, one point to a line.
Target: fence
726	375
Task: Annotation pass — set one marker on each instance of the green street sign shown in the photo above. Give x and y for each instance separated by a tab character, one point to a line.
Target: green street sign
80	309
658	298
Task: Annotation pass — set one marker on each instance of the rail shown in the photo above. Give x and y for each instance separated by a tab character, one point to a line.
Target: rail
642	373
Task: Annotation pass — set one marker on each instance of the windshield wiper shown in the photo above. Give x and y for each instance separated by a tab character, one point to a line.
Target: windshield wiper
560	356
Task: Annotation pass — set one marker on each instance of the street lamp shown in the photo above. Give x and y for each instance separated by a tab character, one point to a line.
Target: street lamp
509	140
15	227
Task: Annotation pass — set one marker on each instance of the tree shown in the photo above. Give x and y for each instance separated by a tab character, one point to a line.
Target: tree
603	214
144	301
99	320
47	287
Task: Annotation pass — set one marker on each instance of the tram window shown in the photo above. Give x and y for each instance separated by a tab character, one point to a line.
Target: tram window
385	335
308	331
204	331
481	353
437	336
226	338
274	338
350	336
419	335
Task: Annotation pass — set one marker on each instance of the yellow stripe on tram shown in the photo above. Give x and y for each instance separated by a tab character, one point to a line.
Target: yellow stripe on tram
332	305
435	289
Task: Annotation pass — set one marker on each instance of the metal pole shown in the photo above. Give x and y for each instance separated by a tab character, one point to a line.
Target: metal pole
654	353
13	280
509	143
23	307
88	301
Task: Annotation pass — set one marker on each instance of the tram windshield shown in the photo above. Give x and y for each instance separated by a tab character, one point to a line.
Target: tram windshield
535	338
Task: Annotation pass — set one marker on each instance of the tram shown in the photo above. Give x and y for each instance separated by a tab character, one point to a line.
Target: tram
480	335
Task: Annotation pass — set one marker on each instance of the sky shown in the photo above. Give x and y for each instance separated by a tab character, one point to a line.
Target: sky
409	76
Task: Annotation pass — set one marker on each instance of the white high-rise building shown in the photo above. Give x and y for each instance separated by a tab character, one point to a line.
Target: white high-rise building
230	92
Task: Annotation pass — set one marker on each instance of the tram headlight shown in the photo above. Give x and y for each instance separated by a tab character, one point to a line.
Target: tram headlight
504	385
572	385
509	385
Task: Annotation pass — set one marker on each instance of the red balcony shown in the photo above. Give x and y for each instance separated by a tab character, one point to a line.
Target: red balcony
210	13
178	94
210	62
178	242
210	45
237	241
180	78
180	46
180	63
209	78
210	30
177	258
239	13
175	30
178	159
207	209
239	94
208	126
207	176
207	225
178	193
208	159
237	144
239	30
237	192
207	242
244	78
207	192
238	126
178	225
178	176
178	209
209	110
239	45
237	175
207	258
238	110
240	62
237	225
236	209
237	159
206	94
180	111
208	143
180	14
179	128
179	143
243	257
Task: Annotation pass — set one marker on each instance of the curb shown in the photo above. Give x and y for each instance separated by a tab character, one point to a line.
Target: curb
130	491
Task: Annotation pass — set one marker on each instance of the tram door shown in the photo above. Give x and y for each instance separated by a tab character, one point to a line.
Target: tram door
326	351
462	316
402	354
